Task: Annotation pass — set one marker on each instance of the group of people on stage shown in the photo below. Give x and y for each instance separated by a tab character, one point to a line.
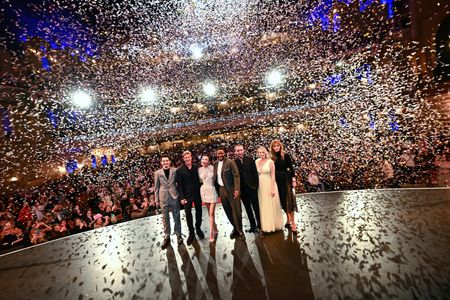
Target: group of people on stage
264	185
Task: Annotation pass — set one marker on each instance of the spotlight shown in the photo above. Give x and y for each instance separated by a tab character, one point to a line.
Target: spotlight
274	78
81	99
196	51
209	89
148	96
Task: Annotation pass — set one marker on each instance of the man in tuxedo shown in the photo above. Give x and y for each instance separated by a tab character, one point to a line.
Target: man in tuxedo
249	186
227	183
166	196
189	188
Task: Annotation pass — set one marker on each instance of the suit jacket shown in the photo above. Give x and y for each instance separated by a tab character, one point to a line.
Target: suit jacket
230	176
248	172
188	182
165	189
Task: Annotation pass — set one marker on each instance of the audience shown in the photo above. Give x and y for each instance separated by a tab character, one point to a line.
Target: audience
94	198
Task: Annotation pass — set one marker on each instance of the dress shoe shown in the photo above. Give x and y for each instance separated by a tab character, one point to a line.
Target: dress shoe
165	243
179	240
234	234
252	229
200	234
190	238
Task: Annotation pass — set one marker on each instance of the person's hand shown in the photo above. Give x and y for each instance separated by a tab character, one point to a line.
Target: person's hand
294	183
236	194
183	201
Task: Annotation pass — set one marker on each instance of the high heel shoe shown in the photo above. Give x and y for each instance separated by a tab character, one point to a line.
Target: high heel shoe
212	240
287	225
294	231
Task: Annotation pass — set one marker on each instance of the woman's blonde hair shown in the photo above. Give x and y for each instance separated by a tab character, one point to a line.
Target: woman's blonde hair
264	149
272	153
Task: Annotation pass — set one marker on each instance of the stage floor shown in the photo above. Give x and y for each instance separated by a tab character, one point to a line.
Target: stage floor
375	244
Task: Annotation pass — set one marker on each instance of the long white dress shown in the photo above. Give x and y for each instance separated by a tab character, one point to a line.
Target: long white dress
207	190
269	207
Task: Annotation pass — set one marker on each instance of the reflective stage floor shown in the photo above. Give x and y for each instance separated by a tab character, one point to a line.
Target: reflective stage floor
382	244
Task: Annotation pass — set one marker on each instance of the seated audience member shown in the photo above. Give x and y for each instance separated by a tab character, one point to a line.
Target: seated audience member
79	226
136	210
25	214
100	221
314	183
39	208
76	213
116	213
10	235
58	231
38	233
89	217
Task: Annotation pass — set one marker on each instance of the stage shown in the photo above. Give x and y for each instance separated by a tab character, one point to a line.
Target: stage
374	244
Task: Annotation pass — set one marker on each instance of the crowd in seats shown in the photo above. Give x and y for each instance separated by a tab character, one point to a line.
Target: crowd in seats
107	195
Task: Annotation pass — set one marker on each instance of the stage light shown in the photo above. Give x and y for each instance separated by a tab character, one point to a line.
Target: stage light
274	78
13	179
81	99
209	89
196	51
148	96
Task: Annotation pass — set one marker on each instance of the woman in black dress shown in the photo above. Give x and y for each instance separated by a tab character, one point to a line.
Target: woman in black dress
285	178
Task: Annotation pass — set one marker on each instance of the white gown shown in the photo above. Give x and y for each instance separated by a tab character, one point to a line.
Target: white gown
207	190
269	207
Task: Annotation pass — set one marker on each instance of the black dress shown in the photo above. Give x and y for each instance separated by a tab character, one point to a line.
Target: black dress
284	171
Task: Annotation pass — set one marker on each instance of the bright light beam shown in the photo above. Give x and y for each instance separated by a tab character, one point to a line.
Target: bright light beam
209	89
196	51
81	99
274	78
148	96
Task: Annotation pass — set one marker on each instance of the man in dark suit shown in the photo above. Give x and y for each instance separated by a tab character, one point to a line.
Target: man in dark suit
166	196
227	183
249	186
189	188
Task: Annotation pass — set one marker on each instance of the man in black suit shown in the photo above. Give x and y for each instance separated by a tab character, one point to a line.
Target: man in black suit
249	186
189	188
227	183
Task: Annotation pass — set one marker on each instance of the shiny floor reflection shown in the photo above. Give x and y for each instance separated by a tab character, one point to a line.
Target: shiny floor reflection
357	245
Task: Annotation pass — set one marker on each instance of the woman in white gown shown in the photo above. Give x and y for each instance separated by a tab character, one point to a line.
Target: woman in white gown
269	199
209	194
